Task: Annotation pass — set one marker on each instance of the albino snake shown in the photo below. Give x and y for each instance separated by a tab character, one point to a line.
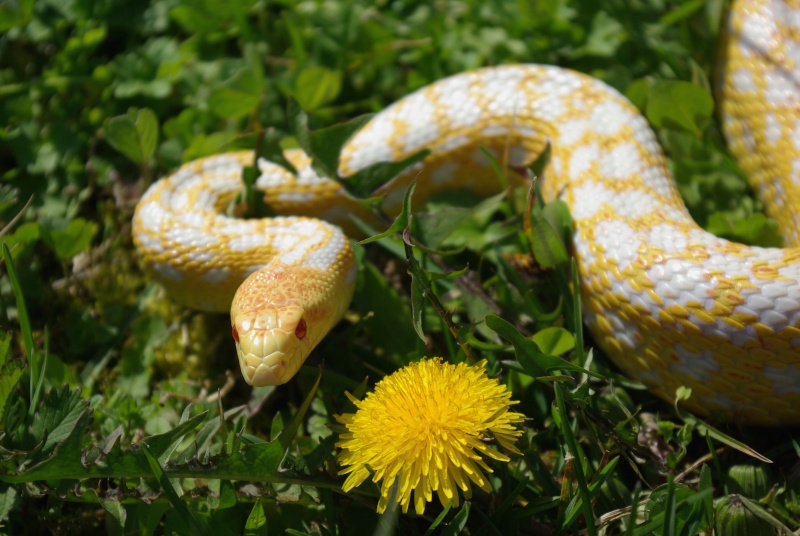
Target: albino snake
670	303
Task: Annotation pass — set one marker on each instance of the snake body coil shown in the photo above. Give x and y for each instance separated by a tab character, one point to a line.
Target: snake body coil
670	303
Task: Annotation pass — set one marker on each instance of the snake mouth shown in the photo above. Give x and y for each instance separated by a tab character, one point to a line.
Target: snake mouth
268	357
271	345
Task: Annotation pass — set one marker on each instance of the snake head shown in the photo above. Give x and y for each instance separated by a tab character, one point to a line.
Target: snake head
272	343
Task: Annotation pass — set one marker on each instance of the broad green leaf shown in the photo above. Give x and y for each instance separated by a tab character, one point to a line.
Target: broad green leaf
554	340
679	105
237	96
134	134
9	500
326	144
534	362
256	524
754	229
547	236
214	143
637	93
15	13
115	524
366	181
390	324
316	86
74	239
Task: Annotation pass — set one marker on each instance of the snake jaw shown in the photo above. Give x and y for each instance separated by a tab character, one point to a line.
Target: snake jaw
272	344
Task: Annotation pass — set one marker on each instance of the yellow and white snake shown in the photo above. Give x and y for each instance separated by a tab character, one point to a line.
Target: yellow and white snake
670	303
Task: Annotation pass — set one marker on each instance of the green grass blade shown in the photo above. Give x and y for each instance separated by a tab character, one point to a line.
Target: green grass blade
24	320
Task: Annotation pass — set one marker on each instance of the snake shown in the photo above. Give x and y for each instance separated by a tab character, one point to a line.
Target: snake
671	304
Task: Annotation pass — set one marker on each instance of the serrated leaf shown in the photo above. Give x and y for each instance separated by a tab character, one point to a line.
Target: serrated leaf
402	219
160	444
681	105
180	507
237	96
65	460
10	373
419	283
56	417
317	86
74	239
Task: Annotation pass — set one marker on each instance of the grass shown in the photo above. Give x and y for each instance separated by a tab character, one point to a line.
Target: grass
122	412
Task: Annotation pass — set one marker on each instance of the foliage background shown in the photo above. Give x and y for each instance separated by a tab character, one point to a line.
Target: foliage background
99	98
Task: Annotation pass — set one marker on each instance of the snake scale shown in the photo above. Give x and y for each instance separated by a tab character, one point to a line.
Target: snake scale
670	303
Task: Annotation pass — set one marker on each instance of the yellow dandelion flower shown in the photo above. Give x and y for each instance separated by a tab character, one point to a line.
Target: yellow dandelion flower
424	426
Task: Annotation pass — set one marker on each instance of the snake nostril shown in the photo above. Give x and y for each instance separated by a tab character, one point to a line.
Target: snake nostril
301	329
235	333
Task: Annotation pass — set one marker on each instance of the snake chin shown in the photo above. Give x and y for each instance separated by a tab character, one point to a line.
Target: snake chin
271	344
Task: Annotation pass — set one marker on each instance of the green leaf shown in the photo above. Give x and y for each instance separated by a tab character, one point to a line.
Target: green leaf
56	416
400	222
679	105
554	340
134	134
162	445
74	239
575	508
15	14
459	521
237	96
10	373
391	319
704	428
256	524
287	435
115	524
316	86
367	180
684	502
533	361
547	236
24	320
326	144
174	499
9	499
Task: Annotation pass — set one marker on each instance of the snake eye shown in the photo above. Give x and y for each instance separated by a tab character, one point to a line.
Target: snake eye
300	330
235	333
